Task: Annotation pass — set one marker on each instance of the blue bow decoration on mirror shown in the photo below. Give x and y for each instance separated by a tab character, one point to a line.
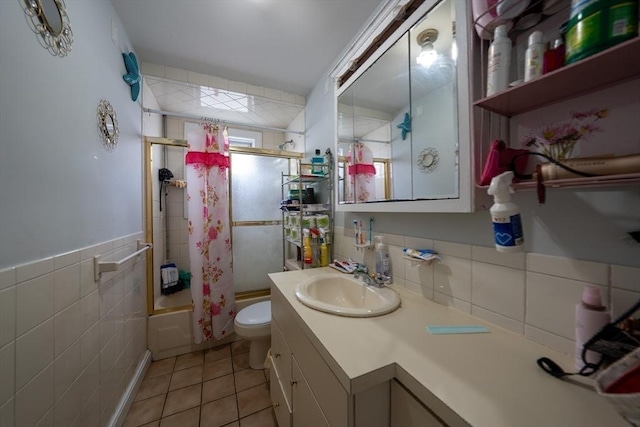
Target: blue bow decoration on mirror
133	74
405	126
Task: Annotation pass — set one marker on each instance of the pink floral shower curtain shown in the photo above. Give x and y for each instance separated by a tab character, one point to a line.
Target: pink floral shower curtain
362	174
207	173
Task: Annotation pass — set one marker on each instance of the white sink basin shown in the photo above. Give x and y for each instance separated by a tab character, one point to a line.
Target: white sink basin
345	296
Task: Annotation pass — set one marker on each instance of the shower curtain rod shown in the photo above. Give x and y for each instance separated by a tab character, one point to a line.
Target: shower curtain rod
224	122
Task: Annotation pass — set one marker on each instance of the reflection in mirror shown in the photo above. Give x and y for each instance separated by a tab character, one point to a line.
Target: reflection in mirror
397	122
51	16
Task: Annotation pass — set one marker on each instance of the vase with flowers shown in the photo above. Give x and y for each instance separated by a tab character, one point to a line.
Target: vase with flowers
559	139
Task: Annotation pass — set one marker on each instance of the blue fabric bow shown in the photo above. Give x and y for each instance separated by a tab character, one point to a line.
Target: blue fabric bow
405	126
133	74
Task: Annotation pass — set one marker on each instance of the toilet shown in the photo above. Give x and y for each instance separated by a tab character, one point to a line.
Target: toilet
253	323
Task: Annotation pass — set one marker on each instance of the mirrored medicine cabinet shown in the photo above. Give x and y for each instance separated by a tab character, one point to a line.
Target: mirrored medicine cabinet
403	119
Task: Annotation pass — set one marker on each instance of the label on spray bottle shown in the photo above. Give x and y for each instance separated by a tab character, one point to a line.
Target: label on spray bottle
507	230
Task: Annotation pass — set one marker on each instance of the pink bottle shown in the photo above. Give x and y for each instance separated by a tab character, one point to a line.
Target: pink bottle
591	317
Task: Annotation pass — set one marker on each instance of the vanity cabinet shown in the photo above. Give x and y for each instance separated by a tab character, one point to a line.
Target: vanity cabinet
406	410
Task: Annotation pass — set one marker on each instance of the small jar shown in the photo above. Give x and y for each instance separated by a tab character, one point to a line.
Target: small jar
554	57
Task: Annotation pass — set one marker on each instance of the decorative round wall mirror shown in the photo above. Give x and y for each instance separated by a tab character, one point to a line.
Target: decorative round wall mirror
49	20
428	160
108	125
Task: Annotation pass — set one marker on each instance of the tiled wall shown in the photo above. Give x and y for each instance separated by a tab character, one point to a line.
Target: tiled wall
69	345
531	294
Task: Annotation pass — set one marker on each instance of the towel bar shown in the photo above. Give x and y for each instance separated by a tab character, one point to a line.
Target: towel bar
100	267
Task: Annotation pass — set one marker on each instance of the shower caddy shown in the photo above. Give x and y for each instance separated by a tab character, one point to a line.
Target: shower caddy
300	192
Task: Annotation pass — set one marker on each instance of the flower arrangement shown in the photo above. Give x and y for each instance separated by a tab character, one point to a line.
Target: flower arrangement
558	140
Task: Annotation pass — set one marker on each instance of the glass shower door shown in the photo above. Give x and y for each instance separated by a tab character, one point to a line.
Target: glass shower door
256	193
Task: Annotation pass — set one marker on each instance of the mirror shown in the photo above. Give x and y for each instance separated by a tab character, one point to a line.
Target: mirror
49	20
107	125
398	118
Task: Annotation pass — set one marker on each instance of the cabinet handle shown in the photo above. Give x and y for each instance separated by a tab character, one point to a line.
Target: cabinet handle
294	382
275	404
277	355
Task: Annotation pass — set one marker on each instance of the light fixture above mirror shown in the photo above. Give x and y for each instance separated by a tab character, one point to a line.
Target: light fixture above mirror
428	53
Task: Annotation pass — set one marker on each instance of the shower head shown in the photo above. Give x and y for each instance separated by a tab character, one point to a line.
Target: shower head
284	144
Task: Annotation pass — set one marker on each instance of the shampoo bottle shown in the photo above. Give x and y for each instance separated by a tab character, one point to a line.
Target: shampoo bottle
499	61
383	260
591	317
324	249
505	215
306	247
534	56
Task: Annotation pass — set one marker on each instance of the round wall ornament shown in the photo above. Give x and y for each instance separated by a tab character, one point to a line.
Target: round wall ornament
107	125
49	20
428	160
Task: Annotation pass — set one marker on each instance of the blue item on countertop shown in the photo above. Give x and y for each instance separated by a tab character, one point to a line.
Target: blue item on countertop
467	329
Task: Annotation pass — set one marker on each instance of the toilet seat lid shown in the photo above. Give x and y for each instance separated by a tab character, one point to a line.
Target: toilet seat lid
258	314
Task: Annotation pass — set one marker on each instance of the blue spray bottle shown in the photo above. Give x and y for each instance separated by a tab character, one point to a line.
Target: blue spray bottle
505	215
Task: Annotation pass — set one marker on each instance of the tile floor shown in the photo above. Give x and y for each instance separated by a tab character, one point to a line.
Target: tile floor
210	388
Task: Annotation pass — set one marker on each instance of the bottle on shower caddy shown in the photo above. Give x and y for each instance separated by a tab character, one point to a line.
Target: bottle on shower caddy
317	161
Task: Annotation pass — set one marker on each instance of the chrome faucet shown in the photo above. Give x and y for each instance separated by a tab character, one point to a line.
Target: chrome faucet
379	281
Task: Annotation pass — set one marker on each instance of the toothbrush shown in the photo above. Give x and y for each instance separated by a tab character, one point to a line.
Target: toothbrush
360	232
355	230
370	229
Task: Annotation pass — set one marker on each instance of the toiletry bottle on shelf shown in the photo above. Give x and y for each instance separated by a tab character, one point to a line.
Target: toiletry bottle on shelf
591	317
324	249
316	163
383	260
499	61
505	215
306	247
554	57
534	56
315	248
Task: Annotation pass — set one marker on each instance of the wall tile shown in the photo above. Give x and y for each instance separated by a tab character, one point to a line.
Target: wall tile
34	351
149	69
7	277
419	288
452	277
587	271
7	315
418	243
624	277
499	289
90	345
66	283
492	256
89	381
419	272
89	310
551	303
255	90
34	269
35	399
497	319
67	368
66	259
238	87
272	93
90	415
458	250
34	303
48	419
68	327
87	282
197	78
67	408
622	300
7	372
175	74
218	83
450	301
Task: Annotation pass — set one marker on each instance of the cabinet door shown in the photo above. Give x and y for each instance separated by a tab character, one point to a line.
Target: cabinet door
280	404
281	356
407	411
306	411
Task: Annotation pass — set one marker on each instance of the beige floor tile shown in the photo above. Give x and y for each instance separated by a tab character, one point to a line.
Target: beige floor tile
189	360
190	418
219	412
253	400
186	377
217	369
144	411
238	347
182	399
153	387
248	378
217	353
240	362
161	367
218	388
264	418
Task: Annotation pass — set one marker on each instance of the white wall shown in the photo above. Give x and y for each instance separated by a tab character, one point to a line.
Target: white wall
59	189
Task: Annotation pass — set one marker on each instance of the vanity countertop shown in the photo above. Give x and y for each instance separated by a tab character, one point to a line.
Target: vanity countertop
488	379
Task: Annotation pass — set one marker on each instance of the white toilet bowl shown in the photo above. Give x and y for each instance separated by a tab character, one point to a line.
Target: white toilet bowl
253	323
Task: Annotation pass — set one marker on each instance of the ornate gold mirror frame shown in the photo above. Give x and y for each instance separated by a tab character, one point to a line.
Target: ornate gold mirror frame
108	125
49	20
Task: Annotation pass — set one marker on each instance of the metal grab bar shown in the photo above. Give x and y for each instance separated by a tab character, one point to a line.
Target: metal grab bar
100	267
